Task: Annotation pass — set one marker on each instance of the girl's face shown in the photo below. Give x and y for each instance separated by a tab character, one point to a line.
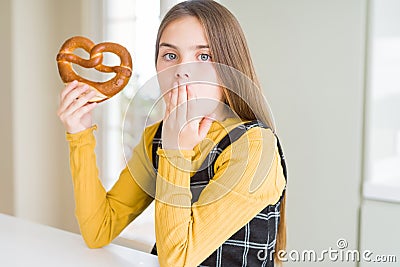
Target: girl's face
183	41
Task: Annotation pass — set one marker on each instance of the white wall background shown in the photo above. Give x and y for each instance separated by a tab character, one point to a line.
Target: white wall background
381	208
6	136
35	179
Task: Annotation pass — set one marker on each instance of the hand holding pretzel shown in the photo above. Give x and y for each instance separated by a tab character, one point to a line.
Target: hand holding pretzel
80	95
74	110
106	89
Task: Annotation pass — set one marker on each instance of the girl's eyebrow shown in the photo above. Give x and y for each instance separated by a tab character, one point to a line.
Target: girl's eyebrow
175	47
202	46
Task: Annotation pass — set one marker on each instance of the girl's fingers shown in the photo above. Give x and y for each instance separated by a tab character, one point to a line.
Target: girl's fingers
173	100
181	115
167	105
72	96
70	86
191	99
80	102
80	112
68	89
205	125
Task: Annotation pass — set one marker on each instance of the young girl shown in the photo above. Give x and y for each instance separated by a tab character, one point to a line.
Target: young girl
218	181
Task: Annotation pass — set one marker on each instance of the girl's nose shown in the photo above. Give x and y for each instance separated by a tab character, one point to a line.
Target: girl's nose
182	71
182	75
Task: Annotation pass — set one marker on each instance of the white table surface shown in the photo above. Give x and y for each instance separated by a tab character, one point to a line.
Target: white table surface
24	243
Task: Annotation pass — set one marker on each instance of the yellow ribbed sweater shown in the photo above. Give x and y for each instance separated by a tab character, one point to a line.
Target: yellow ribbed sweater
248	177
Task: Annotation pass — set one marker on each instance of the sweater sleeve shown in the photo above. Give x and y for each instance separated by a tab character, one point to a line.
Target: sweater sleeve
103	215
248	177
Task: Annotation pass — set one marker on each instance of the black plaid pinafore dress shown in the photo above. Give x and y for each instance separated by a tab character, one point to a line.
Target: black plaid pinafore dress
254	243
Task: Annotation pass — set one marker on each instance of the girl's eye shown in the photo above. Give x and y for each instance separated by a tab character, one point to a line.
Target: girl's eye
169	56
205	57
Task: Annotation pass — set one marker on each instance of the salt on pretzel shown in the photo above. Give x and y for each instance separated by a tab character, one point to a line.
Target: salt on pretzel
106	89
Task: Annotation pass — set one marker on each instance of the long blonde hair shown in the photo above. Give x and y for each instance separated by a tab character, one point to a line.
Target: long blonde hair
228	47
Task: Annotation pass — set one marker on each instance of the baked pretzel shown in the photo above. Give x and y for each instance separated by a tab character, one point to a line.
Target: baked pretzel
106	89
